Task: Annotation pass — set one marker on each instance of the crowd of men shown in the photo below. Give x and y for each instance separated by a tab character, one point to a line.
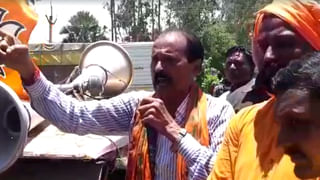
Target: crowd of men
180	132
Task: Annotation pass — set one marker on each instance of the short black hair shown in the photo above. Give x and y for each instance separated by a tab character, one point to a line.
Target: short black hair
194	49
244	51
302	73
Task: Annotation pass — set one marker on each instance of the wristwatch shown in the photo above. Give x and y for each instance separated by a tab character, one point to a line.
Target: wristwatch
175	145
182	133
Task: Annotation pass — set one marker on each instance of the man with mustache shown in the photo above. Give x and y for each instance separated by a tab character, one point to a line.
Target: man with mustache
174	132
239	69
297	88
284	30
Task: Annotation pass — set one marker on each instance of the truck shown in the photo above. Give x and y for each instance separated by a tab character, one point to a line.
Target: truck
52	154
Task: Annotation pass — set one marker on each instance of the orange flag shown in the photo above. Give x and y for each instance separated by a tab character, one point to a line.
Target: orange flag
18	19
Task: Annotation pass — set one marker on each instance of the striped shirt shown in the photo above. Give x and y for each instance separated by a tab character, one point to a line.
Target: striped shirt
114	116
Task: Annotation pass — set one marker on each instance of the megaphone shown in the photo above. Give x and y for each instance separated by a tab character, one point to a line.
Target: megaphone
14	127
105	70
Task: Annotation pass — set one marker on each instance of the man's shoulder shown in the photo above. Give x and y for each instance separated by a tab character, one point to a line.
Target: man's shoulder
249	113
216	101
219	107
224	95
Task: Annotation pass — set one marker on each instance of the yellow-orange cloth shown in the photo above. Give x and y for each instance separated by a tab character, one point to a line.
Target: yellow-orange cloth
302	15
139	166
15	13
249	150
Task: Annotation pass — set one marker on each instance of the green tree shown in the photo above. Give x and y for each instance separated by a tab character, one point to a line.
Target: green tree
240	15
133	17
216	40
83	27
191	15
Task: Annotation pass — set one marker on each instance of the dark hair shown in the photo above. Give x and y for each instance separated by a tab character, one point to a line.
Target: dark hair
194	48
244	51
302	73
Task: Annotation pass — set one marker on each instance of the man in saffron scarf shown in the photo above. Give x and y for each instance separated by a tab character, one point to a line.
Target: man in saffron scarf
284	30
17	19
174	132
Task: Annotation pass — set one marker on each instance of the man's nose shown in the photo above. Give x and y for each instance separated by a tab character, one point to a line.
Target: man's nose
269	55
159	65
232	66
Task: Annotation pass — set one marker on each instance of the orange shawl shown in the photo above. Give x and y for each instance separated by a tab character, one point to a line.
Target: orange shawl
302	15
17	12
140	165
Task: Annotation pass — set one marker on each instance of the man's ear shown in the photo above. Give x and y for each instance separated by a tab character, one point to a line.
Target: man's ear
197	67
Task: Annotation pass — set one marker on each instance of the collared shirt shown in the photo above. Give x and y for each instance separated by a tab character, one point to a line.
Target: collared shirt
114	116
245	95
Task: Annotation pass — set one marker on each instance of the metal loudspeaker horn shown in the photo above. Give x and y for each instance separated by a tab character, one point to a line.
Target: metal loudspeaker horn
105	70
14	125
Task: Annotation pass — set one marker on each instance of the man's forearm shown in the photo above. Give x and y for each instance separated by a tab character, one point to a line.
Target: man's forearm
32	76
199	158
103	117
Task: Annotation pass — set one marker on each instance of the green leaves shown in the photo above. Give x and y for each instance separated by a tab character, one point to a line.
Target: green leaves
83	27
190	15
134	17
216	40
240	16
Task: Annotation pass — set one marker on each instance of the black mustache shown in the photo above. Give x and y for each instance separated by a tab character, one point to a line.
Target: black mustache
161	74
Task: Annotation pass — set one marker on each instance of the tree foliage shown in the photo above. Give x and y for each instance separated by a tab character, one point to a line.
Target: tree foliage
191	15
216	40
135	19
83	27
240	15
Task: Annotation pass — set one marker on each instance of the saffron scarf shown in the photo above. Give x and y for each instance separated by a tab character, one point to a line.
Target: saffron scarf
142	146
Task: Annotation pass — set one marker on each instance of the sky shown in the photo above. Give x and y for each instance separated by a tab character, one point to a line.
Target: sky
63	10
